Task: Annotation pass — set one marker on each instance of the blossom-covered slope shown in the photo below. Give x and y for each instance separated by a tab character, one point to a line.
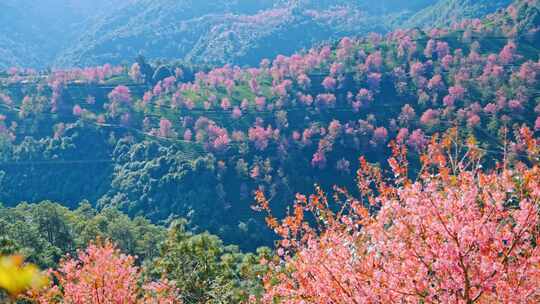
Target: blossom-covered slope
160	142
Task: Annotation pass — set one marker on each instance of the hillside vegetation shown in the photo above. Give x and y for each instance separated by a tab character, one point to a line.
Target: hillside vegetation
69	33
422	146
174	144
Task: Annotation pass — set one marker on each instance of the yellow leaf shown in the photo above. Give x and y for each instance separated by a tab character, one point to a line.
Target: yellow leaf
17	277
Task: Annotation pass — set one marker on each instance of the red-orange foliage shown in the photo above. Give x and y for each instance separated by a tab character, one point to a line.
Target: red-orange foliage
456	234
102	274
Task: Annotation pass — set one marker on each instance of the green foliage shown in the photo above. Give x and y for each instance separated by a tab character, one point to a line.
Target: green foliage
205	270
45	232
38	169
163	182
444	12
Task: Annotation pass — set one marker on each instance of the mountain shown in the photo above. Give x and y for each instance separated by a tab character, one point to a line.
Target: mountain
81	33
144	24
197	147
228	31
427	141
34	32
446	12
17	25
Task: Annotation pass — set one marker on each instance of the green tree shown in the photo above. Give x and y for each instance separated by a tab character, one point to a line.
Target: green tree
207	271
47	231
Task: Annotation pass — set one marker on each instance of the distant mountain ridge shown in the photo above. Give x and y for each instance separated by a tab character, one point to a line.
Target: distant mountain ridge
34	32
67	33
445	12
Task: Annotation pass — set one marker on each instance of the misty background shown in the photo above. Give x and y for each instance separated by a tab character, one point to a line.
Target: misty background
67	33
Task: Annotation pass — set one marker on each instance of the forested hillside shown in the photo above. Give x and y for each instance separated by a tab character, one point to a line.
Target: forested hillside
68	33
448	12
421	146
161	142
34	32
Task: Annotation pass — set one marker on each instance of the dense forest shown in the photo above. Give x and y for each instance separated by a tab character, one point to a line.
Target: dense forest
176	176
